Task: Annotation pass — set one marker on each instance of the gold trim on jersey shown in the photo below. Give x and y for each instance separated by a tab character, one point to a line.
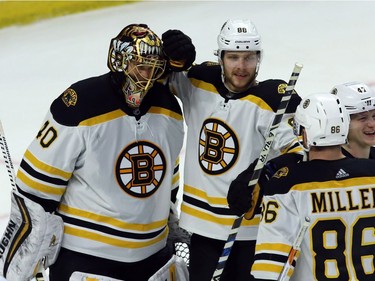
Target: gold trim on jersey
267	267
352	182
212	89
68	210
258	101
273	247
176	178
111	240
203	195
46	168
39	186
204	85
204	215
216	219
164	111
102	118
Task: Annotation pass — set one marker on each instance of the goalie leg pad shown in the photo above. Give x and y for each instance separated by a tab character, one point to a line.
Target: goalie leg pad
32	237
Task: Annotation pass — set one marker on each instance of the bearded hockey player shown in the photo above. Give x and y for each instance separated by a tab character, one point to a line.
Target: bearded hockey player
228	113
94	187
334	193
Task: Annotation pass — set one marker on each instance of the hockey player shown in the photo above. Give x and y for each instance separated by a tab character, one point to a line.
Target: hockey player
359	100
95	185
228	113
333	192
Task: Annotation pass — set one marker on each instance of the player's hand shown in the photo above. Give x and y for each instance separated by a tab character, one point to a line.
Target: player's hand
240	194
179	49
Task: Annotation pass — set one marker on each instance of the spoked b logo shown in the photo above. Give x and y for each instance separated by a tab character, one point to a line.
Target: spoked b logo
218	147
140	169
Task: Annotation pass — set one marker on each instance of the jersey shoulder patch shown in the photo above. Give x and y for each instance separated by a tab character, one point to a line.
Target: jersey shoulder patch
85	99
271	92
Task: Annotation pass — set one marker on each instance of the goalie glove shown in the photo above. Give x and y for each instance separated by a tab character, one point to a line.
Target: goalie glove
31	240
179	49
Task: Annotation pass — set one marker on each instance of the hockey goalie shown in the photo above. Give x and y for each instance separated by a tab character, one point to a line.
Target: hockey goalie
93	189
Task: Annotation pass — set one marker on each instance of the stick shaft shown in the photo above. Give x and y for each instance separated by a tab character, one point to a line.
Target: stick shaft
8	160
294	250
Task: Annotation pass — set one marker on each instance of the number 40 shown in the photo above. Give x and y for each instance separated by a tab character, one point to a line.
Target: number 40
46	135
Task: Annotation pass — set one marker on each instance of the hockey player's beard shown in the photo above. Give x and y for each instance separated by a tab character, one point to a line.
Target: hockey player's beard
252	82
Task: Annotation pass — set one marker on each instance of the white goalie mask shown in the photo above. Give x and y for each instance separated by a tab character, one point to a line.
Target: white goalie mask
324	119
357	97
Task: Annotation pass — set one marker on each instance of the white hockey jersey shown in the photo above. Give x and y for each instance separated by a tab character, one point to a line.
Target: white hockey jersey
339	199
109	170
224	136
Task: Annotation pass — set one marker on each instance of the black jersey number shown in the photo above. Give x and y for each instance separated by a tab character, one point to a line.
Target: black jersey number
46	135
335	250
269	211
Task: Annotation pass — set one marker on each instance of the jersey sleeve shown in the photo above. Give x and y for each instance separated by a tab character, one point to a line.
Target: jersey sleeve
49	161
277	231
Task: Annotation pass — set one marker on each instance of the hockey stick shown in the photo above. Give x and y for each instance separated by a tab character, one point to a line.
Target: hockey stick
6	155
258	167
293	251
41	274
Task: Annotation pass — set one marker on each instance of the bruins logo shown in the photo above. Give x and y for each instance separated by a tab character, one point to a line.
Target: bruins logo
283	172
218	147
140	169
69	97
281	88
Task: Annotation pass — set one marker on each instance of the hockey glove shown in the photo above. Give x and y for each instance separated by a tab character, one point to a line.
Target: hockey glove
179	49
268	171
240	195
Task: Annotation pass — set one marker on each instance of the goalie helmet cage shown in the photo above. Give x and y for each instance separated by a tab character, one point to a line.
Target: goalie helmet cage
258	168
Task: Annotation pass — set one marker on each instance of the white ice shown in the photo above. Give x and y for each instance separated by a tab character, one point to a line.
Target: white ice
333	40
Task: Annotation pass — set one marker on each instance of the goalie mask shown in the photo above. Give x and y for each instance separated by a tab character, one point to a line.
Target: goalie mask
137	52
357	97
239	35
324	119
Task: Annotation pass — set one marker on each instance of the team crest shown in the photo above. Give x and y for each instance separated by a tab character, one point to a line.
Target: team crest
218	147
69	97
281	88
140	169
283	172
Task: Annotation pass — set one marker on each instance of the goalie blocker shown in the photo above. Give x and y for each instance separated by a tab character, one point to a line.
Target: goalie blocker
31	239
